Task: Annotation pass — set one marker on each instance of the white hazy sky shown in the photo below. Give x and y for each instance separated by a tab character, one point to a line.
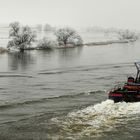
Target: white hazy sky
105	13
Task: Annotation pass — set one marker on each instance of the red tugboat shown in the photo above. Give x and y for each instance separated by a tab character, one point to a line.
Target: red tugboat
130	91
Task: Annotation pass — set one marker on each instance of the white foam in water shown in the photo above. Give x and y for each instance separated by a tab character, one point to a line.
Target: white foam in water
102	117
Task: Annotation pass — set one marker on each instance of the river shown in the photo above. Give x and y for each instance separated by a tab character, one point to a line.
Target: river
62	94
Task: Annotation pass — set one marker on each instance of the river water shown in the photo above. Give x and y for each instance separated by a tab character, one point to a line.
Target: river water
62	94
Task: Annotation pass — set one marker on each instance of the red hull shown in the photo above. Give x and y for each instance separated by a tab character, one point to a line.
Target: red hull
126	96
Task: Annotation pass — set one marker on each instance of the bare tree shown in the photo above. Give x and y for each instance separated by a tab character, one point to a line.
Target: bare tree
67	36
21	37
39	27
48	28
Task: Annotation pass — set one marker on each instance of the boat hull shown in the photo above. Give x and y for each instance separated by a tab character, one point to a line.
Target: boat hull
124	97
130	91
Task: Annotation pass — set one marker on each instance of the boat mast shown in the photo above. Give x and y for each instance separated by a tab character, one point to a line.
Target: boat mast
137	64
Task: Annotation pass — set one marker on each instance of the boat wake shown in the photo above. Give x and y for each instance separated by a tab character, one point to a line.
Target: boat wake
96	120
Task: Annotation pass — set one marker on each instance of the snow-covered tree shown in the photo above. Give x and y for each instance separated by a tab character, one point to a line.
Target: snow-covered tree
127	35
21	37
68	36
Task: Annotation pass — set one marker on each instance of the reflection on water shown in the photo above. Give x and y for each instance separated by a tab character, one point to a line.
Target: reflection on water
45	53
20	61
70	52
67	57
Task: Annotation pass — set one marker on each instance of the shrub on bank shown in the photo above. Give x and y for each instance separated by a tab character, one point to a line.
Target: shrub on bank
46	43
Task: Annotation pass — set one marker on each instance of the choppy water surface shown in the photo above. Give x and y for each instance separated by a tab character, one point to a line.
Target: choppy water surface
62	94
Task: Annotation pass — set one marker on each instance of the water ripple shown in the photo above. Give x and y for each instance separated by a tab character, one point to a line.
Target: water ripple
15	75
8	105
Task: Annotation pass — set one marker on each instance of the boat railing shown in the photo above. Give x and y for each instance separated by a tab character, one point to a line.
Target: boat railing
118	86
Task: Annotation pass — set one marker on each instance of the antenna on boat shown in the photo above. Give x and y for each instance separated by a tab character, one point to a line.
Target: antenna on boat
137	64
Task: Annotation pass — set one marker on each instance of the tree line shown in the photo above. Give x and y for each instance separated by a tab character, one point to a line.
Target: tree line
23	37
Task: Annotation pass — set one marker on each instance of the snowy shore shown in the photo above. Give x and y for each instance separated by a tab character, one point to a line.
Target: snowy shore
107	42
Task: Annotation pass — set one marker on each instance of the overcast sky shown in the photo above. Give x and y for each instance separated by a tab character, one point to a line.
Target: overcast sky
104	13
